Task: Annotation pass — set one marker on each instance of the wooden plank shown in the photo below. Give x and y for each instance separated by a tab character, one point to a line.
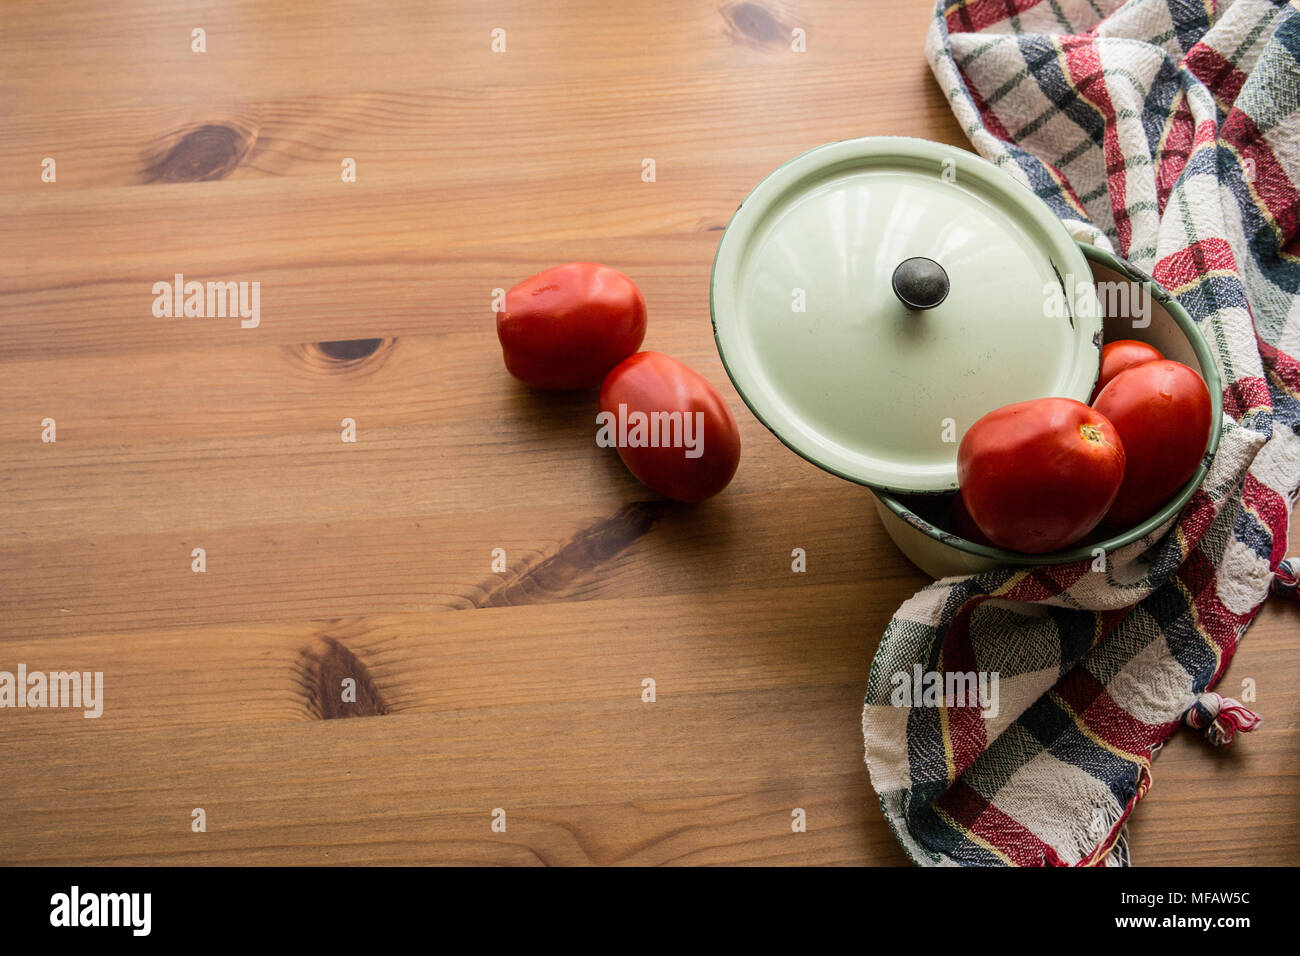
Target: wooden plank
422	788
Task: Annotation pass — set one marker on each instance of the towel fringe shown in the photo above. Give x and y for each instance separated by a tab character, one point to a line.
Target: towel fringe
1221	718
1286	579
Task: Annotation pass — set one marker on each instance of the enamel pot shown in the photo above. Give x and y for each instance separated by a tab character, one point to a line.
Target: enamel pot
872	298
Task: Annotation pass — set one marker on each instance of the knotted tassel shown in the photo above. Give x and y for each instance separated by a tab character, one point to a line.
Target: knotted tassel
1286	579
1221	718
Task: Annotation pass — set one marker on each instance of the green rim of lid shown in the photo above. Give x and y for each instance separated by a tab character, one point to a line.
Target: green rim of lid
872	298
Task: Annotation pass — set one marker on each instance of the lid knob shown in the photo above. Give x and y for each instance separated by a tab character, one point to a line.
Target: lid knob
920	283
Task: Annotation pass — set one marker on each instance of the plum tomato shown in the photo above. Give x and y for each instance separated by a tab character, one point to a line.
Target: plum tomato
1037	476
567	326
1162	413
670	426
1119	355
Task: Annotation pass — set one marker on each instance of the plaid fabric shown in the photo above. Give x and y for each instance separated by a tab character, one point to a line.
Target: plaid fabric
1167	131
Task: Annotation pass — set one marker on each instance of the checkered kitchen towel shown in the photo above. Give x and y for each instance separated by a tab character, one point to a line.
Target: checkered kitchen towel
1167	130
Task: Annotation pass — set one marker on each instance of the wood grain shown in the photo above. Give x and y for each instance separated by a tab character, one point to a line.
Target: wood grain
477	689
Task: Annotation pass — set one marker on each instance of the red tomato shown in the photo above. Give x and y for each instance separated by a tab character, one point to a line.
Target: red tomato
671	428
566	327
1037	476
1119	355
1162	413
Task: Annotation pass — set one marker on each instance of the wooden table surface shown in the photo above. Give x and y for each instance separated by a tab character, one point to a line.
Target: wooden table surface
478	689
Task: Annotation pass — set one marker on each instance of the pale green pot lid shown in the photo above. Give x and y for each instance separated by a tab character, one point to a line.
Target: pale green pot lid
824	350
